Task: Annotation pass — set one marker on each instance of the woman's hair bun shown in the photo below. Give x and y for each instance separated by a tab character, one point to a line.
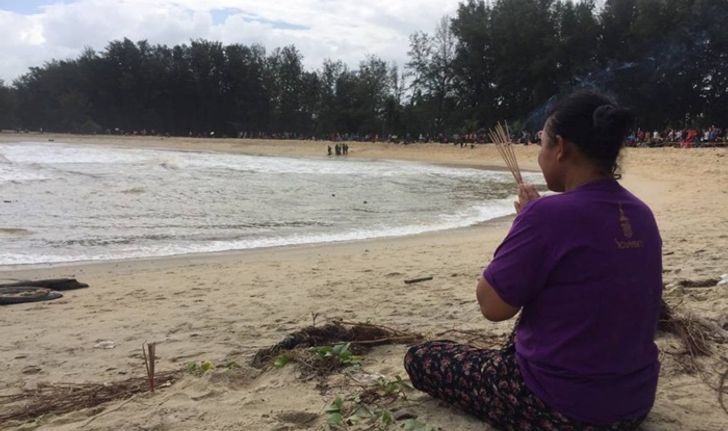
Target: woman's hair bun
600	114
611	119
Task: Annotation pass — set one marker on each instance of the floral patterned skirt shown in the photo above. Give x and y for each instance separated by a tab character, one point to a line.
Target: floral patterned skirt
488	384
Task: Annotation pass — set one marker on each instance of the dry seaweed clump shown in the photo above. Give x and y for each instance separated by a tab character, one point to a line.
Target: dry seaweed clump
323	349
63	398
693	333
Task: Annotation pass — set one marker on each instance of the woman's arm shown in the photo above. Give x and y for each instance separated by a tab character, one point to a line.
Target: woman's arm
491	305
521	249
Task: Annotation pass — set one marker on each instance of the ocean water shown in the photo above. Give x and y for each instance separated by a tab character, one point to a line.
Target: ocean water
66	203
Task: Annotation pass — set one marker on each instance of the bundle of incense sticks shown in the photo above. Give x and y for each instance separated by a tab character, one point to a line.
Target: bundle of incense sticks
501	137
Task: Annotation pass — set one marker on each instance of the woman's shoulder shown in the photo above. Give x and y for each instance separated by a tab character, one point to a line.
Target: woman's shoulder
548	204
631	197
543	210
563	207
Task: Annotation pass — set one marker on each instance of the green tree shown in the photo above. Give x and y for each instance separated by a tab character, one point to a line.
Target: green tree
246	73
285	77
7	107
474	62
329	110
577	33
432	67
616	20
525	55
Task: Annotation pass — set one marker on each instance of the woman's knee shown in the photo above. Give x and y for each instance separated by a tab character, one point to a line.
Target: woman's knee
412	357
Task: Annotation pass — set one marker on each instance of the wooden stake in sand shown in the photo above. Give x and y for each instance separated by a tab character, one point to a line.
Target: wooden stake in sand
501	137
149	362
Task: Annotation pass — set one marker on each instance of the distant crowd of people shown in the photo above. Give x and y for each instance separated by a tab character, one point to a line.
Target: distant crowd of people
686	138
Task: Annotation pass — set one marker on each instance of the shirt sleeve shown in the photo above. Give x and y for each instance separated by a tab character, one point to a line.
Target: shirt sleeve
522	263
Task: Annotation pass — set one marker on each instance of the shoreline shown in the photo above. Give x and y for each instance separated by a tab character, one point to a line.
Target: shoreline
128	142
225	306
212	255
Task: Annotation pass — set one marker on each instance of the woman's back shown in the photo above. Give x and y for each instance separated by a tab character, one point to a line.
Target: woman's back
586	268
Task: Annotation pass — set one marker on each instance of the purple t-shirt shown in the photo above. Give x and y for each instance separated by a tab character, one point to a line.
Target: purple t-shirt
586	266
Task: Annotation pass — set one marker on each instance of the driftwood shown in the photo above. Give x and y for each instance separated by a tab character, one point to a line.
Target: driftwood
52	284
36	290
22	294
707	282
417	280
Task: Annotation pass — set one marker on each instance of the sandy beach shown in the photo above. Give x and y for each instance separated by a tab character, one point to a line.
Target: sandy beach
223	307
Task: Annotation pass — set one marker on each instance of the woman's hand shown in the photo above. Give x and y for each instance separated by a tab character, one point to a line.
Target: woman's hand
526	194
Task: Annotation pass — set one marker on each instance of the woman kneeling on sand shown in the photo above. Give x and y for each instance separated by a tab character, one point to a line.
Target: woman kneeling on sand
584	268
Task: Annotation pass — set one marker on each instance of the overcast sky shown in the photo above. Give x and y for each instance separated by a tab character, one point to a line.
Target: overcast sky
35	31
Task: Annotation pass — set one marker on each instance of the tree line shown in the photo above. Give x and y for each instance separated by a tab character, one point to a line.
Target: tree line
493	60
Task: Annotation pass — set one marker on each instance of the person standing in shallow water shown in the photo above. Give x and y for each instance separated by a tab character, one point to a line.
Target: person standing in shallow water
584	268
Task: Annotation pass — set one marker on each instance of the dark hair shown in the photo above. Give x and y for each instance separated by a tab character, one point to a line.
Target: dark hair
595	124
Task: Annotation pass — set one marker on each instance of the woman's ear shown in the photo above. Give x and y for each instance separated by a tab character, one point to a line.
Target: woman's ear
562	148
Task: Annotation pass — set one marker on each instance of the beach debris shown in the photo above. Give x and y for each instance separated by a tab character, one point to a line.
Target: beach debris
707	282
36	290
693	333
321	360
32	369
723	280
47	398
198	369
52	284
722	389
21	294
417	280
331	342
104	344
377	406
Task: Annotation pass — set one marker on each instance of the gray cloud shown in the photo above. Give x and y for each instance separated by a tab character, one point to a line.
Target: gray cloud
338	29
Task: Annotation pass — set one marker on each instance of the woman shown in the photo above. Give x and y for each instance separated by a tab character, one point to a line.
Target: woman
584	269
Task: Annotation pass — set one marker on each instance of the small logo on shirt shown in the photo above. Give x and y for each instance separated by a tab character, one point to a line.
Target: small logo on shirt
624	222
626	231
